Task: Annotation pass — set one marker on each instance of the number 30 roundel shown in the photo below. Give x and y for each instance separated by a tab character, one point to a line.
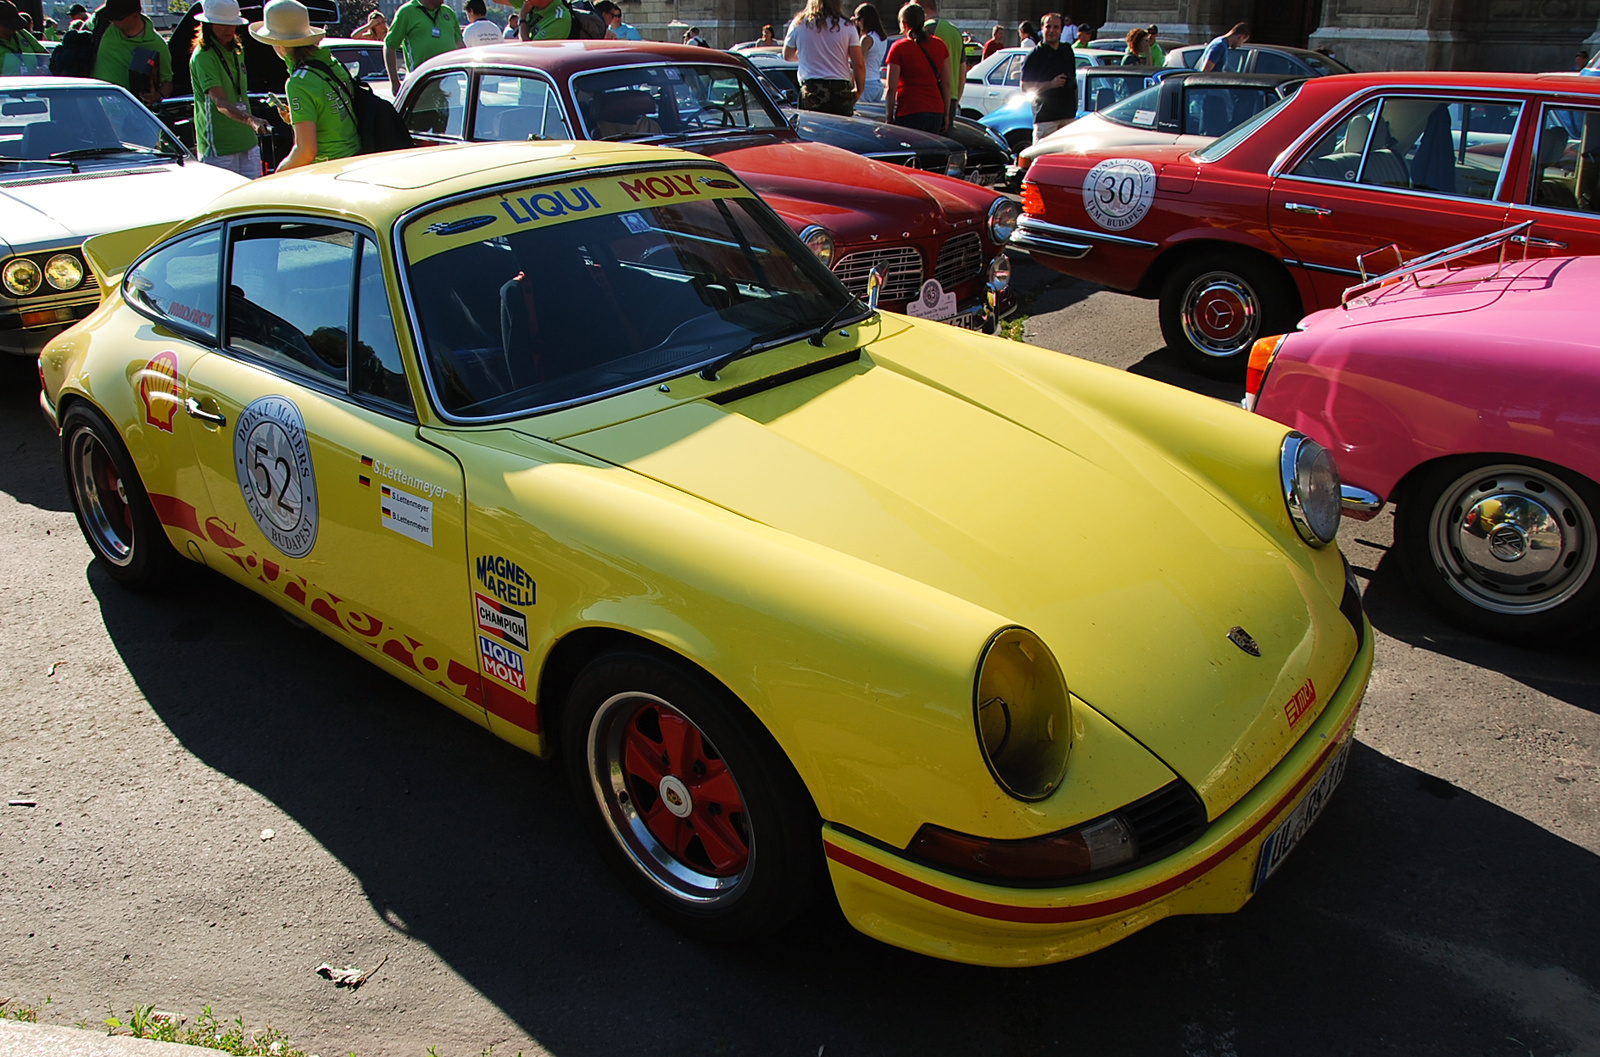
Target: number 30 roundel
1117	193
273	462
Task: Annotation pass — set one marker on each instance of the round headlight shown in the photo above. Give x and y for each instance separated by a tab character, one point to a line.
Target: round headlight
1003	219
956	164
63	271
1022	714
818	241
1311	489
20	276
1000	272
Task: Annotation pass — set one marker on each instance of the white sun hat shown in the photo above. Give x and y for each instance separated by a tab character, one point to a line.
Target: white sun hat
286	23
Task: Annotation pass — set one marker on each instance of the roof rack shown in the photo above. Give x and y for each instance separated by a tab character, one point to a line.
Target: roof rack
1517	233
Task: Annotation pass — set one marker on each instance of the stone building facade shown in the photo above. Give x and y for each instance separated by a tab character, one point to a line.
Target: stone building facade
1522	35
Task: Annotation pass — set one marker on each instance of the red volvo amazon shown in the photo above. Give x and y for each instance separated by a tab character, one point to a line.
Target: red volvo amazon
938	242
1242	237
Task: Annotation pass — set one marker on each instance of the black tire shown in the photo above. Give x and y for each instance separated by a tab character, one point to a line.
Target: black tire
1019	140
729	850
1503	546
1216	304
111	504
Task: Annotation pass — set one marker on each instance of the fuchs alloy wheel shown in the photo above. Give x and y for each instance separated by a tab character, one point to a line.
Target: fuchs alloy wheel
1504	547
1215	306
113	509
689	798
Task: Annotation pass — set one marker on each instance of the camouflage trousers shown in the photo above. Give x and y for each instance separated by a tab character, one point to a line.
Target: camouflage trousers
830	97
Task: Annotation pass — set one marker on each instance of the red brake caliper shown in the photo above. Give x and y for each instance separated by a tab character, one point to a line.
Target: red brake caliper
111	481
693	801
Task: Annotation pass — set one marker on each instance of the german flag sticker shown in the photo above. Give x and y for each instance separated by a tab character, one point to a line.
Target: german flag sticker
366	482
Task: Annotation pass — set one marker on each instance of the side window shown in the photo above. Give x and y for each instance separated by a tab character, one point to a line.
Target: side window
1337	155
1274	62
1568	165
289	292
377	370
1212	110
179	282
518	108
440	106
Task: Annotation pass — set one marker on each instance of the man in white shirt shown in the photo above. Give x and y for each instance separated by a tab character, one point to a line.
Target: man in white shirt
479	30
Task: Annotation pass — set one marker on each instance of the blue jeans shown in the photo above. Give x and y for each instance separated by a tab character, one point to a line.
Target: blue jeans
929	122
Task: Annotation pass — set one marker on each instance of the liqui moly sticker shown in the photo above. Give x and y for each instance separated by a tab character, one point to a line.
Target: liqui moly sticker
502	663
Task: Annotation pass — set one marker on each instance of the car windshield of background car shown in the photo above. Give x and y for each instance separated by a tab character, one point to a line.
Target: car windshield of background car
1102	90
543	296
644	102
1323	64
1230	140
363	63
1136	111
76	124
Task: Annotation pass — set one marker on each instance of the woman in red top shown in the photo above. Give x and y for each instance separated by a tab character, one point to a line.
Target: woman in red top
915	94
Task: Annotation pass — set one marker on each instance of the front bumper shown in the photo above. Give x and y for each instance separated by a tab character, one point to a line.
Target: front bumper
27	332
925	910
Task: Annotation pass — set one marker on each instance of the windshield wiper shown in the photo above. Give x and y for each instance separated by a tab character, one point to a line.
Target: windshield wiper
40	161
711	370
125	148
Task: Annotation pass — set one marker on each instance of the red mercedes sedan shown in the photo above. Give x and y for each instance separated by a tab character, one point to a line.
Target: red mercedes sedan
1242	237
937	243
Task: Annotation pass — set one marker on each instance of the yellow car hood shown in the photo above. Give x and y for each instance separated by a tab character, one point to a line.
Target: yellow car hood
1047	513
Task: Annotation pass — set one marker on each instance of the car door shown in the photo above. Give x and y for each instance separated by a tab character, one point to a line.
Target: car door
312	459
1562	193
517	107
1416	172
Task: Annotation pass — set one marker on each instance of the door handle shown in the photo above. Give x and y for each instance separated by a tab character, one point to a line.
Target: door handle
192	406
1316	211
1543	244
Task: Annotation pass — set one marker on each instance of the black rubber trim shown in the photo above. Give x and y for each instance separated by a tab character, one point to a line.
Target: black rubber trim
1350	606
793	374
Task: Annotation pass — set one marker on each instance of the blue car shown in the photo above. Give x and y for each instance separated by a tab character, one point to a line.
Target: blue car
1098	88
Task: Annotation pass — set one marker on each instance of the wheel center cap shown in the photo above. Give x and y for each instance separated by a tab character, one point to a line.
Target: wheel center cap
676	796
1508	543
1219	314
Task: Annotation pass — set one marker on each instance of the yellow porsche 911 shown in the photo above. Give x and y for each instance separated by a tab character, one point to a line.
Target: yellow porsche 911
1017	653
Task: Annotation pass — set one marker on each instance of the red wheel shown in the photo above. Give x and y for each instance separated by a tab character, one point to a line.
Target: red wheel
693	802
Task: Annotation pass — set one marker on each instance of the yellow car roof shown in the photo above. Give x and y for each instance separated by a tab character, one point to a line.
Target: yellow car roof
377	188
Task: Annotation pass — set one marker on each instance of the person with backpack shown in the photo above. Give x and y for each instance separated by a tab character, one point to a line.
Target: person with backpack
319	91
422	29
16	42
224	129
131	53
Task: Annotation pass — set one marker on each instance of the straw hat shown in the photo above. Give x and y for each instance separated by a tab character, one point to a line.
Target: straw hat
221	13
286	23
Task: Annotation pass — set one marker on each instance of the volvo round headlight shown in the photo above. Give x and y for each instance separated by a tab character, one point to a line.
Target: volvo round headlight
1003	219
956	164
818	241
64	271
1311	489
20	276
999	272
1022	714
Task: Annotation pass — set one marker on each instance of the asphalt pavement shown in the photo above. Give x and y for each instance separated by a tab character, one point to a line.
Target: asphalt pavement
212	801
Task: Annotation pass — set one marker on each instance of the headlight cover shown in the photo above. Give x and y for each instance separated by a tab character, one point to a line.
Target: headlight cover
1022	714
819	242
64	271
20	276
999	276
1003	216
956	164
1310	489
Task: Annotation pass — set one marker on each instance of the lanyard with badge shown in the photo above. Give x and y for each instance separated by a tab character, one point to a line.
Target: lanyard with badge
433	16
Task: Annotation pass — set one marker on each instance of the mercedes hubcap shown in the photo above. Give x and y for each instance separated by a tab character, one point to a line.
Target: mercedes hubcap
1220	314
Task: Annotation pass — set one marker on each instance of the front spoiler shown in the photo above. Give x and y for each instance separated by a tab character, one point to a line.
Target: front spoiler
925	910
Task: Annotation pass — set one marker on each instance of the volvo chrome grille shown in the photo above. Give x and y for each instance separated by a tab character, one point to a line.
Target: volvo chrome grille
960	259
901	267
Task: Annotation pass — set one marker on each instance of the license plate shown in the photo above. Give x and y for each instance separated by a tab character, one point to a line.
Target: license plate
966	321
1277	847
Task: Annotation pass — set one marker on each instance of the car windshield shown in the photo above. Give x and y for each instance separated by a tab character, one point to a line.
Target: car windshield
672	100
1230	140
42	128
363	61
538	297
1326	65
1136	111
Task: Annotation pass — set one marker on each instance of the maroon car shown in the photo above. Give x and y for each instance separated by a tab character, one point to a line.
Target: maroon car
938	243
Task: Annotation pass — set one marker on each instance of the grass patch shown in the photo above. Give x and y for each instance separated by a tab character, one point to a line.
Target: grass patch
10	1010
145	1022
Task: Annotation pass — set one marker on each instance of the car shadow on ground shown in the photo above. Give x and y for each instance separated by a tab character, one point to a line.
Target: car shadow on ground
1416	917
30	470
1164	365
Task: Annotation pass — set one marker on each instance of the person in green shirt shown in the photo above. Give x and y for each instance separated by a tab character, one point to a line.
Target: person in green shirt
131	53
1158	54
16	42
224	129
946	31
546	20
319	91
423	29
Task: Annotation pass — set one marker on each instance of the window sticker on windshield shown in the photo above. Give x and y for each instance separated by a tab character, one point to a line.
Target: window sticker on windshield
673	73
1144	117
540	205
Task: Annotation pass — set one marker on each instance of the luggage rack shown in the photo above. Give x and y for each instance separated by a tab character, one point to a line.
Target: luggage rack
1517	233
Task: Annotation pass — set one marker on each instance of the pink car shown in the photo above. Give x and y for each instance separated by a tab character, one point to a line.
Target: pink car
1470	398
